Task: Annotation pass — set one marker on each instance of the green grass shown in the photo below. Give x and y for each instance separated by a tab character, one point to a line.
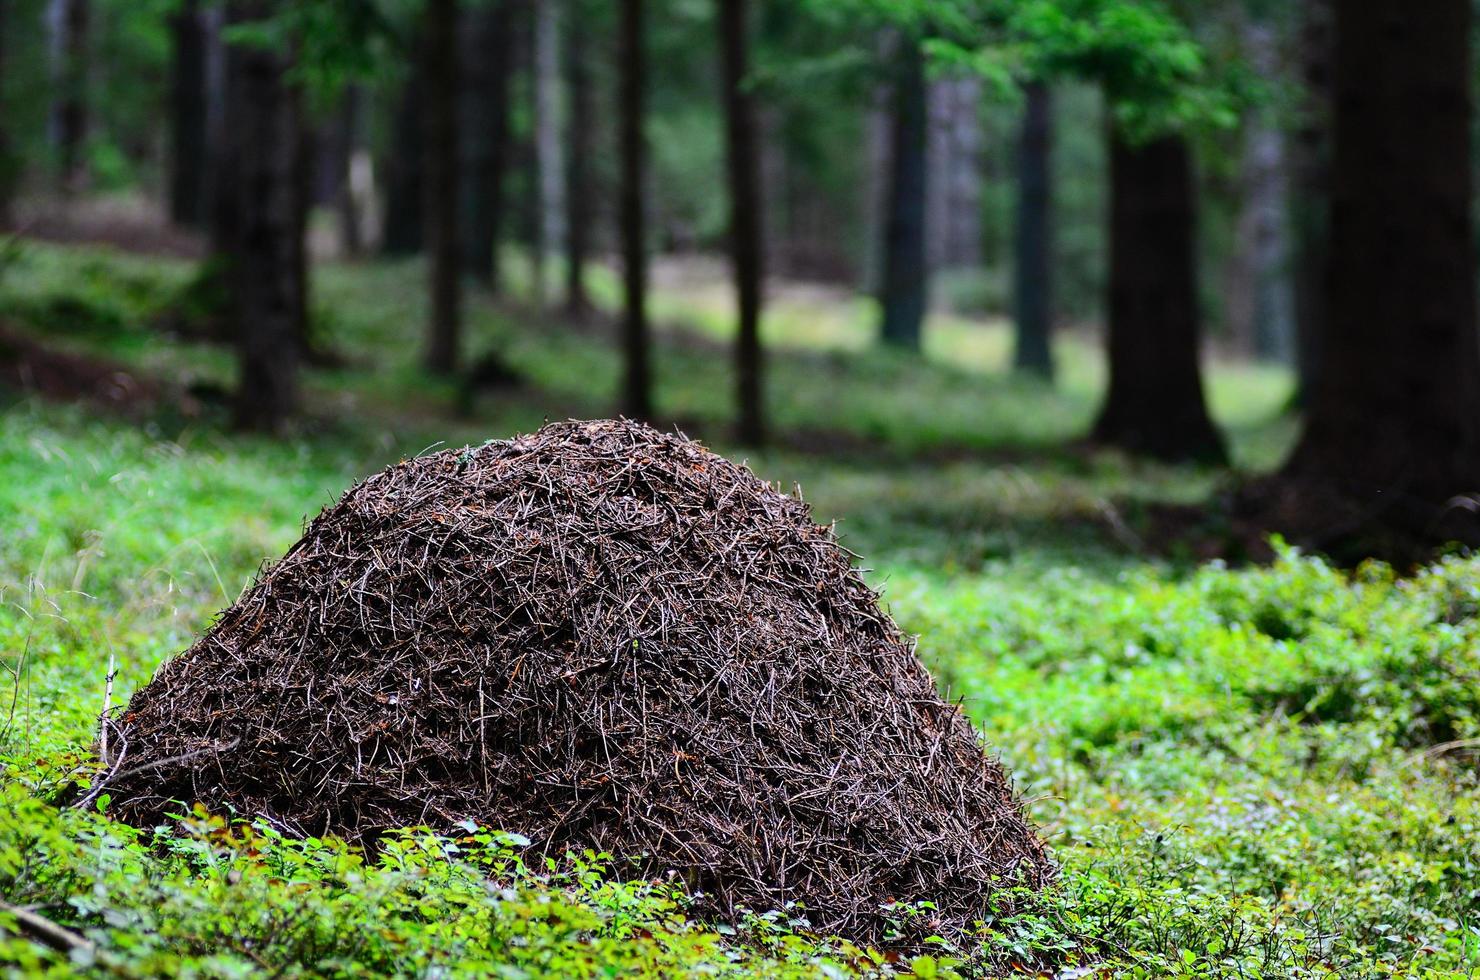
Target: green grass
1253	772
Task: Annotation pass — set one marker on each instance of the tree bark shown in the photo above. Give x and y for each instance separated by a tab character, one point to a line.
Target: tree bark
190	152
1155	405
1310	192
219	184
954	152
305	140
1033	348
9	164
440	187
637	384
549	167
905	275
1258	303
69	110
489	61
1394	417
578	194
349	194
263	265
745	218
404	221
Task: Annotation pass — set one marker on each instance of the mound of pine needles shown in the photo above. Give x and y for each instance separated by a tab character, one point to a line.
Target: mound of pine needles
600	636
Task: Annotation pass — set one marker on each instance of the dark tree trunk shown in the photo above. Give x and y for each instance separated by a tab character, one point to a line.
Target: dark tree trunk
70	108
1155	405
486	116
264	268
905	276
636	389
441	185
1393	421
1310	192
745	218
9	165
1033	350
190	152
403	188
579	211
303	198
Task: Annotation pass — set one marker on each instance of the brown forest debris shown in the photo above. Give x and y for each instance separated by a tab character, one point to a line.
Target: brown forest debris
600	636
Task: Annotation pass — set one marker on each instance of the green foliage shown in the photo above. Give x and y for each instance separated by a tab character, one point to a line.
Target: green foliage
98	298
1155	73
217	897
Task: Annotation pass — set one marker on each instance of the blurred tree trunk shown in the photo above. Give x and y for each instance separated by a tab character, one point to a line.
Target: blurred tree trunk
745	217
1258	299
636	390
1033	268
440	186
1155	405
10	169
263	260
305	141
1394	418
224	187
549	167
72	20
954	191
878	138
348	196
905	276
579	211
489	60
190	151
1310	191
403	185
218	166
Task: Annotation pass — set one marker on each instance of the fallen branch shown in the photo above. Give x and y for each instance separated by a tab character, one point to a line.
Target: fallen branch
40	929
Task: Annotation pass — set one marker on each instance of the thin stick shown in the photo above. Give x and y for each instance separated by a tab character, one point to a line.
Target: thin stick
45	931
107	707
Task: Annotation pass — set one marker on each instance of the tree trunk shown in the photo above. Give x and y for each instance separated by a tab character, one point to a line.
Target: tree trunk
549	167
263	262
1155	405
9	164
1310	192
878	138
905	276
636	390
1257	307
303	198
1033	348
954	153
1393	421
745	218
69	108
218	166
404	221
489	60
349	192
439	113
190	154
579	210
224	186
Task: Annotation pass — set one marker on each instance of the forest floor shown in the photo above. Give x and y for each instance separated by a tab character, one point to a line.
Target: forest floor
1243	771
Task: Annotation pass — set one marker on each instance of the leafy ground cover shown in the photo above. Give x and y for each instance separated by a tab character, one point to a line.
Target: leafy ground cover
1244	772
